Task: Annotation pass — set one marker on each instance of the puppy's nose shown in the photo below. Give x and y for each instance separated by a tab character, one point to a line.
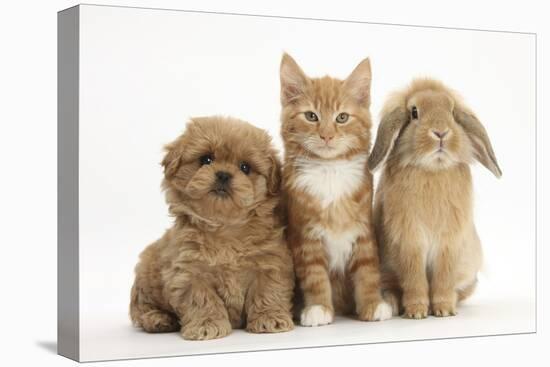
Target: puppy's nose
440	134
326	138
223	177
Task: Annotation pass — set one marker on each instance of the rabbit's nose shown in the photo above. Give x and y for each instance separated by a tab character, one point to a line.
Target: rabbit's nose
440	134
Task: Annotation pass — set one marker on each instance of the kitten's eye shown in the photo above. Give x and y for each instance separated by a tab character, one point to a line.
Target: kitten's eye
311	116
245	167
414	112
342	117
206	159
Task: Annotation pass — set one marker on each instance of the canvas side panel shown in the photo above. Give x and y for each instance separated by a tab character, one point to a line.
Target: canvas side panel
67	183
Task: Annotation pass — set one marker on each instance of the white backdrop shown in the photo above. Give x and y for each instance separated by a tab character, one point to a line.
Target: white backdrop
145	72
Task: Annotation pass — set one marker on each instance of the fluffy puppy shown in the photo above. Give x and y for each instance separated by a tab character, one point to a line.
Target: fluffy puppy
224	263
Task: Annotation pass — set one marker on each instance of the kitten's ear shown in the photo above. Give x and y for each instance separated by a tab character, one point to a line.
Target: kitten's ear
358	83
293	80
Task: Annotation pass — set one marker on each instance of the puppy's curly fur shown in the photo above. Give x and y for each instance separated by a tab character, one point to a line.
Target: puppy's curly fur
224	263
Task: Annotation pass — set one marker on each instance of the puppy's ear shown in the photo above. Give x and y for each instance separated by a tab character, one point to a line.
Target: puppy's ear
293	80
483	150
388	131
172	160
358	83
274	175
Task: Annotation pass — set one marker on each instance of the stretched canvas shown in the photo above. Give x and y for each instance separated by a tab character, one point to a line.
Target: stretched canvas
130	79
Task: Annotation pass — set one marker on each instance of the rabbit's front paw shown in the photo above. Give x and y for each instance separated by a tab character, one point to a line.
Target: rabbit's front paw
443	309
416	311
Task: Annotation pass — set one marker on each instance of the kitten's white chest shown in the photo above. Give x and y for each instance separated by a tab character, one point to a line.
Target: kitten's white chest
329	181
339	247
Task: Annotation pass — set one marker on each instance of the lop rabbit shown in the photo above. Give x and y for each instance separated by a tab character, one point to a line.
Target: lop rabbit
429	248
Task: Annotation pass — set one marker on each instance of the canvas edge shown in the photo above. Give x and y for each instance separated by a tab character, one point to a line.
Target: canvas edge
68	330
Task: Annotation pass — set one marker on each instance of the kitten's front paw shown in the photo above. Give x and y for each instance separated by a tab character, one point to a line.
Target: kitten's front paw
392	299
271	322
376	311
416	311
443	309
316	315
207	329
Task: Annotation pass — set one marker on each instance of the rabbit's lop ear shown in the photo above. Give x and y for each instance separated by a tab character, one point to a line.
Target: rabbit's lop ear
483	151
387	133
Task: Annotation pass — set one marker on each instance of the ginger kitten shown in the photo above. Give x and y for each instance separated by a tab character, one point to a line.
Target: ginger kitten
328	193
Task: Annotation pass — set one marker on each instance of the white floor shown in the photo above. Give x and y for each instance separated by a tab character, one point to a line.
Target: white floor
113	337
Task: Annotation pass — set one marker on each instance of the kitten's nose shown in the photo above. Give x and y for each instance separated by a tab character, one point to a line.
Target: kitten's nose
440	134
223	177
326	138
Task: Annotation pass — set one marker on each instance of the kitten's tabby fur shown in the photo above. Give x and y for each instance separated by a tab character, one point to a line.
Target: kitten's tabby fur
328	191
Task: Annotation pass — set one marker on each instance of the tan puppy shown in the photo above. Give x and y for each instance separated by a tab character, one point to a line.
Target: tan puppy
430	250
224	263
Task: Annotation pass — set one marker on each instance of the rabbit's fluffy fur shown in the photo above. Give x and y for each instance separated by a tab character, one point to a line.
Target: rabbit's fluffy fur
224	263
429	248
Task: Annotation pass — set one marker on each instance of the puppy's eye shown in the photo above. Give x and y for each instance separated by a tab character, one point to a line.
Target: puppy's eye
311	116
206	159
342	117
414	112
245	167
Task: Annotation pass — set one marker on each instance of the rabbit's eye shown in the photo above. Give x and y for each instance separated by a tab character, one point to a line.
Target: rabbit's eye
311	116
414	112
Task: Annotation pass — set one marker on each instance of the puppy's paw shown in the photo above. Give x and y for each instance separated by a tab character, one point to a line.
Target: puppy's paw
443	309
271	322
316	315
207	329
415	311
156	321
376	311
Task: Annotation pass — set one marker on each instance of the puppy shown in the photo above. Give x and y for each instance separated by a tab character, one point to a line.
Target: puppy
224	263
